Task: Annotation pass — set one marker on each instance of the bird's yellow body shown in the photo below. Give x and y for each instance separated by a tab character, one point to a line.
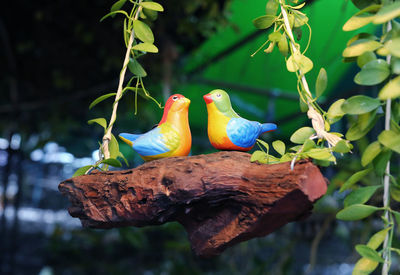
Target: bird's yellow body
171	138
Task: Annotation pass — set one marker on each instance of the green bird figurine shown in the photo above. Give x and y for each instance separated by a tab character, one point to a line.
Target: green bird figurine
226	129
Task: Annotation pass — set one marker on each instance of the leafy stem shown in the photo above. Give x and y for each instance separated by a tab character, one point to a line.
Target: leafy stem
107	136
289	33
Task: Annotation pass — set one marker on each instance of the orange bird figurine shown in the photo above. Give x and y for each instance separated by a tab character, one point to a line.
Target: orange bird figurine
171	137
226	129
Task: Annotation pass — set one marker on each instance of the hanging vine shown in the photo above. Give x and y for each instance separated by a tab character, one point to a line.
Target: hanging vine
139	40
379	61
286	25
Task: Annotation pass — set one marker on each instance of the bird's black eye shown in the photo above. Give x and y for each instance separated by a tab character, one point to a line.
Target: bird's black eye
175	98
218	95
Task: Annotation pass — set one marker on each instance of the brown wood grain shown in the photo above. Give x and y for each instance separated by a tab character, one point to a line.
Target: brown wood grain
221	198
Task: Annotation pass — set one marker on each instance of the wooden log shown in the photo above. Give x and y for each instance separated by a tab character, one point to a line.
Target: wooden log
221	199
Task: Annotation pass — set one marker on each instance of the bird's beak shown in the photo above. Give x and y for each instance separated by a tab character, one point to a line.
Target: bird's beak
186	100
207	98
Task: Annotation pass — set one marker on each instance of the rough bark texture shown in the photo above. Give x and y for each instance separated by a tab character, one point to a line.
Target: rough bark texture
221	199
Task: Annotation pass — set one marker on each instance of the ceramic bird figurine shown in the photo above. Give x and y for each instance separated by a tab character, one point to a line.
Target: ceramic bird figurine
171	137
226	129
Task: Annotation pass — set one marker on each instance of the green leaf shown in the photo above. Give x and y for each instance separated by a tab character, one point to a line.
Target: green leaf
283	45
364	266
150	14
291	65
300	19
361	18
113	13
151	6
320	154
365	58
264	22
275	36
395	65
101	121
391	90
308	144
279	146
342	147
117	5
81	171
100	99
113	147
298	7
291	20
335	112
112	162
390	139
303	106
395	190
381	161
393	46
286	157
143	31
263	143
387	13
364	120
304	63
145	47
270	48
135	68
367	252
370	153
363	125
356	212
372	73
361	46
360	195
321	83
360	104
377	239
259	156
355	178
382	51
272	7
363	35
302	134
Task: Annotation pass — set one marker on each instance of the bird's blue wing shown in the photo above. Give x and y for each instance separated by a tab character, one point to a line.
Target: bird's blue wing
157	141
150	143
243	132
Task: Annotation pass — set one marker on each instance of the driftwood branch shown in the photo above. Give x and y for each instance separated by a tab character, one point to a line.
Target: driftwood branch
221	199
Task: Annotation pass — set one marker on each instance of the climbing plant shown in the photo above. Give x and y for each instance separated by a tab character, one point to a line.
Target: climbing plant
139	40
379	61
287	26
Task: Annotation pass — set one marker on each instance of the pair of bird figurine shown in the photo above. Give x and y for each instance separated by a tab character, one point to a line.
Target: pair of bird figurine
172	137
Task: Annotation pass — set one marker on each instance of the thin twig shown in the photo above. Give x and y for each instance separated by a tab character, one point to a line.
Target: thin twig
386	179
107	135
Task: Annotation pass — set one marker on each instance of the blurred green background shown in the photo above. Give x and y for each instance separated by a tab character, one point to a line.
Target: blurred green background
56	57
